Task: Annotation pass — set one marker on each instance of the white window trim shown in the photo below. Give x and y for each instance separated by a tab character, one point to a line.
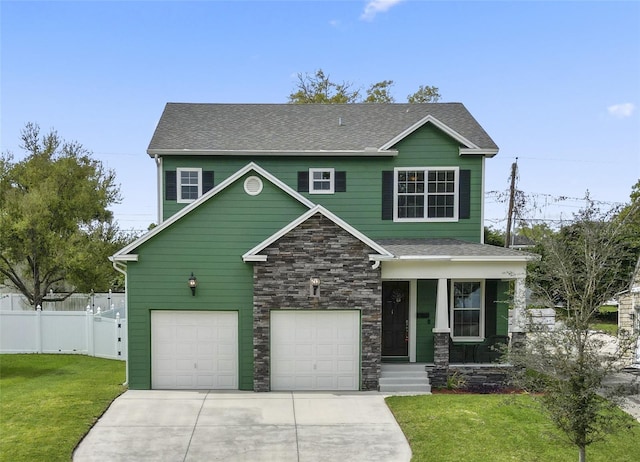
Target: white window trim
479	338
332	181
456	196
179	184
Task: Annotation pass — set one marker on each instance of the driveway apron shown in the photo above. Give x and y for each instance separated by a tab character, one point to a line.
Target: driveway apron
189	426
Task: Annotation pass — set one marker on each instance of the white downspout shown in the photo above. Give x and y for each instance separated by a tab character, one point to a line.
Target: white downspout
123	269
159	181
482	204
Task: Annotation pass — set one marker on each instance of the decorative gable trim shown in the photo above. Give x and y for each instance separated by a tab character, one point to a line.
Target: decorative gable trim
252	255
122	255
469	147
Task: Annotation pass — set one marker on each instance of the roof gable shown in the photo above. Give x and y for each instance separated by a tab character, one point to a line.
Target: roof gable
309	129
254	254
430	119
125	253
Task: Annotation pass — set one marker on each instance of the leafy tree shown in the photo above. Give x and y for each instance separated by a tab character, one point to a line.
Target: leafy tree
583	265
493	236
629	216
319	88
379	92
56	231
425	94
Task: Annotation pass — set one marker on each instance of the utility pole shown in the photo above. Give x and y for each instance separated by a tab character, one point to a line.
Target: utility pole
512	194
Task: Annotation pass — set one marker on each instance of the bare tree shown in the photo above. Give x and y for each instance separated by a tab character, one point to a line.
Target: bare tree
583	265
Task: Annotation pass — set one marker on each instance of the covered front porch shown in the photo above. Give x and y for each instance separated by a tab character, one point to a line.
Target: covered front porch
446	303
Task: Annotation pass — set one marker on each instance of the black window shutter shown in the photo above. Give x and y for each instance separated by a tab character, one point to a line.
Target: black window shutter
387	195
170	187
207	181
303	181
464	198
341	182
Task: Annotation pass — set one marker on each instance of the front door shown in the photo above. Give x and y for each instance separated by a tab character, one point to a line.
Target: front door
395	318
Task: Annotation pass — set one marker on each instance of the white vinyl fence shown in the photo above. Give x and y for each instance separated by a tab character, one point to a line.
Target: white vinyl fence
75	302
539	317
79	332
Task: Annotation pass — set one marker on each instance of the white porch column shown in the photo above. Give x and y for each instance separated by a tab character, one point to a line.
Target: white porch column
519	305
442	309
413	317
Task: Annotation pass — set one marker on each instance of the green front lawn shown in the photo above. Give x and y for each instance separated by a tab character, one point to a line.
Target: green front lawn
494	428
607	327
49	402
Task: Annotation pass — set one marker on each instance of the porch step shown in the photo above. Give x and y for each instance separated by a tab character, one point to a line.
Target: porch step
404	377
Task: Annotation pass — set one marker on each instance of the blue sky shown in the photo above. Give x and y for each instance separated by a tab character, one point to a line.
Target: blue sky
556	84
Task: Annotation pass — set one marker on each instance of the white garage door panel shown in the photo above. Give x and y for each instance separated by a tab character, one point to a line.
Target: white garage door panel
194	350
315	350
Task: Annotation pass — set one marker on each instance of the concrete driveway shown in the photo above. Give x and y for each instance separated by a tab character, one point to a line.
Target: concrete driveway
154	425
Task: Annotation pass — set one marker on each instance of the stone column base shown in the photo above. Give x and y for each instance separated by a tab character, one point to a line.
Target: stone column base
440	372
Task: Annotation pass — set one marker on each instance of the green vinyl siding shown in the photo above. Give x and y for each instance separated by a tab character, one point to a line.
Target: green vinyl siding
209	242
426	309
361	204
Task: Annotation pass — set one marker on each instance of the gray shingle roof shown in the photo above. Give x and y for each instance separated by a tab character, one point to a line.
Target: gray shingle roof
301	127
448	248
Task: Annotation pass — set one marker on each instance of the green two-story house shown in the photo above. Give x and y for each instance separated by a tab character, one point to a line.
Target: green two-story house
303	247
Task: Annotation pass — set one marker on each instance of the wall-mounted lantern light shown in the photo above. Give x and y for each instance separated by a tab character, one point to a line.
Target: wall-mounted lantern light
315	287
193	283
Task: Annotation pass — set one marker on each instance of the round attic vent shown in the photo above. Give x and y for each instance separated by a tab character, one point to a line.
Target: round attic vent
253	185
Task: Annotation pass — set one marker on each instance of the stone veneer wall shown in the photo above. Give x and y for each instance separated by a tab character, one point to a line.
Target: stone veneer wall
483	378
440	371
318	248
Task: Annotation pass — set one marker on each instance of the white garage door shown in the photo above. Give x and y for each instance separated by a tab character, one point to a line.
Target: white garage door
315	350
194	350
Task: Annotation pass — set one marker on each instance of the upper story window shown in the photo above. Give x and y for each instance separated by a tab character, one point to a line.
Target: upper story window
467	310
189	184
185	185
321	181
426	194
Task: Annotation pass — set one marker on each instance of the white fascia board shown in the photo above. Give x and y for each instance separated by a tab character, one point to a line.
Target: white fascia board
430	119
375	152
495	258
124	257
426	257
254	258
251	254
416	269
454	259
378	257
478	152
205	197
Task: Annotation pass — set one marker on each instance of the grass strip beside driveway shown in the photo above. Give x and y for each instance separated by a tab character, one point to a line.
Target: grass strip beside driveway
495	428
49	402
